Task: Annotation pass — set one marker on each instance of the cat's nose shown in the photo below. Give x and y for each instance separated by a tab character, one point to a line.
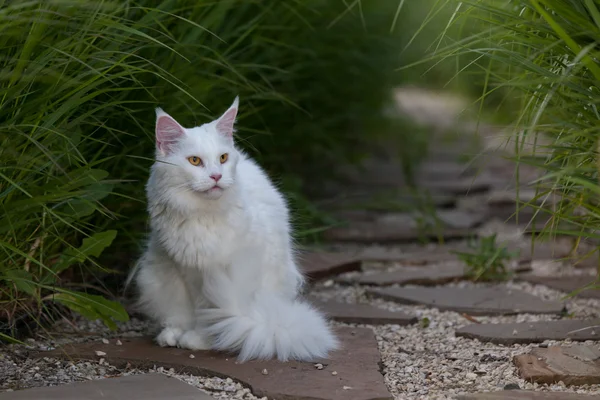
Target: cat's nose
216	177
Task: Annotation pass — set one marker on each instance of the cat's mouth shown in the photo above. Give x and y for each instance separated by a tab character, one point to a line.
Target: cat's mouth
214	189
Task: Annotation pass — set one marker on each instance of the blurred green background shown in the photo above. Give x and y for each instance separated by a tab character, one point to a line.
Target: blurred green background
79	81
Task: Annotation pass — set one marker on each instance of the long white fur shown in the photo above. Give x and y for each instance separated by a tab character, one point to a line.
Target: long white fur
219	270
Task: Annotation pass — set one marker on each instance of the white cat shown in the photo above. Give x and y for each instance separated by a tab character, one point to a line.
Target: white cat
219	271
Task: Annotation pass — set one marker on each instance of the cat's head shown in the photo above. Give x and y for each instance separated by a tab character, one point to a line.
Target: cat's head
201	159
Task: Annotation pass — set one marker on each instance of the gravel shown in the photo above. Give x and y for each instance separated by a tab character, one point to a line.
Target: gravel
426	360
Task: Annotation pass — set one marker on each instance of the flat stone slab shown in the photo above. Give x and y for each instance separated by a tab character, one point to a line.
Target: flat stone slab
356	366
533	332
151	386
388	232
416	257
410	275
576	365
493	300
451	224
429	275
362	313
527	395
566	284
318	265
460	187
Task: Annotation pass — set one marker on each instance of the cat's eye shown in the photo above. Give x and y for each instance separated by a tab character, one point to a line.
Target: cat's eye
195	161
224	158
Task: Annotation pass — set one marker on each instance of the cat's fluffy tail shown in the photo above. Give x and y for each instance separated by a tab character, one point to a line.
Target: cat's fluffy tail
265	325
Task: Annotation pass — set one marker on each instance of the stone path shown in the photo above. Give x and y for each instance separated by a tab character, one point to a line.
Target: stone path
412	325
352	371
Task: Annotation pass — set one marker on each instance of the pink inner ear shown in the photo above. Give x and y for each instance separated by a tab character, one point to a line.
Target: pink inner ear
168	132
225	124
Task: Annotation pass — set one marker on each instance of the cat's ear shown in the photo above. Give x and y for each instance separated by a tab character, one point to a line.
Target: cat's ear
227	120
168	132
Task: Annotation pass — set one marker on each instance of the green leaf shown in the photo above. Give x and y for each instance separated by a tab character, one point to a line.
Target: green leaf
10	339
22	279
92	306
92	246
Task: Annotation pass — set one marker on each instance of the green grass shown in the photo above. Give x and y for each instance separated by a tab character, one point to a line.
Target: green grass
539	60
78	84
487	260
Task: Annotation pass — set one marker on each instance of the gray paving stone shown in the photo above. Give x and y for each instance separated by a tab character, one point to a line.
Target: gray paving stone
146	387
362	313
475	301
565	284
434	274
396	227
533	332
319	264
426	275
461	187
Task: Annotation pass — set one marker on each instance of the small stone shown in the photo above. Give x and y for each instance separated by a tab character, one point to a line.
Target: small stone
334	373
514	332
347	387
101	362
105	341
192	356
264	372
119	343
100	353
512	386
319	366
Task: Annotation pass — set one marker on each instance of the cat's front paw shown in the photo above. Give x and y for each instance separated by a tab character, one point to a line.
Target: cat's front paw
169	337
193	340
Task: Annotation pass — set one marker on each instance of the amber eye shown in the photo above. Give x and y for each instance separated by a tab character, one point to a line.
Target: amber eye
195	160
224	158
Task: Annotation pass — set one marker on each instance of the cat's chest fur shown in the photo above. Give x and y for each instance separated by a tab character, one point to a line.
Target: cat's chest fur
203	240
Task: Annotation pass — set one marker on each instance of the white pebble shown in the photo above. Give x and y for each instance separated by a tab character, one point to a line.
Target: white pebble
347	387
192	356
265	372
105	341
118	343
334	373
319	366
100	353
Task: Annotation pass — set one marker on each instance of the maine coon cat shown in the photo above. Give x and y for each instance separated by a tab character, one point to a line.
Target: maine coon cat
219	269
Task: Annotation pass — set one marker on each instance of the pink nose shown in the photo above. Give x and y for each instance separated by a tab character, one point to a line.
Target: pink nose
216	177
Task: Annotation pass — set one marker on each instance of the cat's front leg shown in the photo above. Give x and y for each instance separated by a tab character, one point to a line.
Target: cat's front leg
193	340
169	336
164	296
